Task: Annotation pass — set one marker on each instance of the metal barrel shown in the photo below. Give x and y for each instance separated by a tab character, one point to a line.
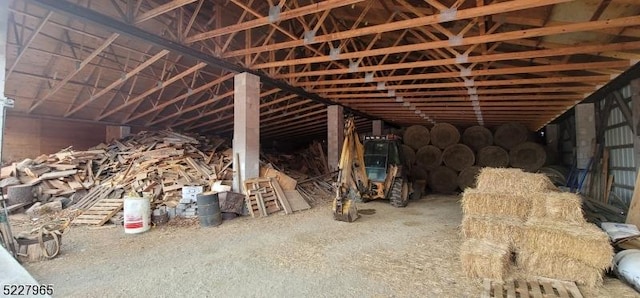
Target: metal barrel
209	209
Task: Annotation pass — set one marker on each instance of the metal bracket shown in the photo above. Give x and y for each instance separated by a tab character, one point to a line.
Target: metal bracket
455	40
7	102
274	13
464	58
353	66
391	93
399	99
309	36
448	15
334	53
381	86
368	77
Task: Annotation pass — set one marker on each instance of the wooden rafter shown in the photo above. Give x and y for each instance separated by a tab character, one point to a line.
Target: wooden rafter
118	82
69	76
162	9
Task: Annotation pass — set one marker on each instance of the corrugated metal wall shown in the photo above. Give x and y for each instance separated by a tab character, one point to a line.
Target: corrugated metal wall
618	138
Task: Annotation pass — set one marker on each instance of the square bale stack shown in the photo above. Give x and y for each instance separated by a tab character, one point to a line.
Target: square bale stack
524	212
485	259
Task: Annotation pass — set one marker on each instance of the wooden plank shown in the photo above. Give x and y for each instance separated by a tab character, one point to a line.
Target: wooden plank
497	290
511	291
282	198
296	200
633	215
523	288
548	289
158	10
486	293
58	174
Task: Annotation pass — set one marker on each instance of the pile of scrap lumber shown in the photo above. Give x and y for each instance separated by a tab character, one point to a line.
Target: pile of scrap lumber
157	163
511	211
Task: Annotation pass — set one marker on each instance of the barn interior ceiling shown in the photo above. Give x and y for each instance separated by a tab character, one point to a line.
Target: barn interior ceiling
171	63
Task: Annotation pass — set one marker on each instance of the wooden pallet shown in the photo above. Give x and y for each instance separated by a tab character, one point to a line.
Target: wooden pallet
100	212
265	196
536	288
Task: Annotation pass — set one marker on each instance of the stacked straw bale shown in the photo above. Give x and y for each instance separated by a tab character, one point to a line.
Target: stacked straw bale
545	228
485	259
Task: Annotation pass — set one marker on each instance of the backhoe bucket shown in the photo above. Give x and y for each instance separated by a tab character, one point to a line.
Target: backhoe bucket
345	211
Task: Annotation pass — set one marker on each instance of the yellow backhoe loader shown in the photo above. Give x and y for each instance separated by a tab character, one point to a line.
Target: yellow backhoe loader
368	172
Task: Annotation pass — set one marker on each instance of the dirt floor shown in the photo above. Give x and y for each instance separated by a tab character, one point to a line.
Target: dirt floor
394	252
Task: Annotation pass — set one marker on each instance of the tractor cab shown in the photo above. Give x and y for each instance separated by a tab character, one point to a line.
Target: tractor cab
380	152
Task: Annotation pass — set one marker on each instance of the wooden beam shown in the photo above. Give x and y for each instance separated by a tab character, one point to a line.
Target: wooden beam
285	15
181	97
159	86
623	64
577	90
572	50
27	43
80	66
162	9
473	40
118	82
509	82
502	7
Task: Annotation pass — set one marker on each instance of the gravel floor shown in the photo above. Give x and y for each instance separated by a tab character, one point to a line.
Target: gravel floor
394	252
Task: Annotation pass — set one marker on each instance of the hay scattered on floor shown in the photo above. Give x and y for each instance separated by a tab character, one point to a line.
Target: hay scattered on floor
506	230
585	242
559	267
513	181
478	203
485	259
558	206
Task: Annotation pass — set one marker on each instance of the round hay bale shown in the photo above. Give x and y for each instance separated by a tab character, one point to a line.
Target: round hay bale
429	157
409	155
416	136
443	180
510	135
419	173
458	157
467	178
444	135
528	156
493	157
477	137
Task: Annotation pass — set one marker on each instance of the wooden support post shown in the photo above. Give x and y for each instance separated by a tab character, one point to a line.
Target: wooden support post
633	215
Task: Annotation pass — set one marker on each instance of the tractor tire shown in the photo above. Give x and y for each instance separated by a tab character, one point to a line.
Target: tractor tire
399	193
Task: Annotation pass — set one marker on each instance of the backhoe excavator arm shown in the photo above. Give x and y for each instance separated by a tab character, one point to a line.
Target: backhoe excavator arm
352	183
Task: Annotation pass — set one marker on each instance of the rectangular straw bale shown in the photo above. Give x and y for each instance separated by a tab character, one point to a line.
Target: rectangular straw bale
502	230
484	259
583	242
512	181
559	267
559	206
478	203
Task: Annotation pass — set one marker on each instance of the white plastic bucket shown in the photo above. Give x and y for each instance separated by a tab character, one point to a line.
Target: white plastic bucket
137	215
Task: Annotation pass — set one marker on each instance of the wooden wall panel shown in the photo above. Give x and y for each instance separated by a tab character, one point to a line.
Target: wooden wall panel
29	137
